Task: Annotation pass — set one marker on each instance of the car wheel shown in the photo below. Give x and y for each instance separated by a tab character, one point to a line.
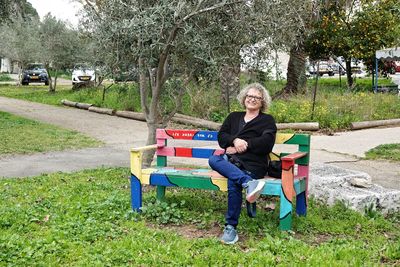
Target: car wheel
46	83
331	73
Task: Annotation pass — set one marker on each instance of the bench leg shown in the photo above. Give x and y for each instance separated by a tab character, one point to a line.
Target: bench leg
160	192
136	193
301	204
285	213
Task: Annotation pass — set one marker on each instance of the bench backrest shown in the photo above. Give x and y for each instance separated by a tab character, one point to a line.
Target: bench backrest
302	141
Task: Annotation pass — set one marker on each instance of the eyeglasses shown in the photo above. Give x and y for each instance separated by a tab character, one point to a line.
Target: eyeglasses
253	97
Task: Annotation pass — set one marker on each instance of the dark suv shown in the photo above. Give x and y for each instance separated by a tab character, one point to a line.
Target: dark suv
35	73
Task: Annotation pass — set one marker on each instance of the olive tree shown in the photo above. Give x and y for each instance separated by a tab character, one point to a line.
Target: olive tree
18	43
159	34
61	46
170	41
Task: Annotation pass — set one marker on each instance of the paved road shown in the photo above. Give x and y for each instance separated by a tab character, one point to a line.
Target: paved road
119	134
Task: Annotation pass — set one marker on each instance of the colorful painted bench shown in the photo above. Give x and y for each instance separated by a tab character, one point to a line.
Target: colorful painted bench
295	170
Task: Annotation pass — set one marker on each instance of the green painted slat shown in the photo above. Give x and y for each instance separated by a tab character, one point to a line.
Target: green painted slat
272	189
197	182
286	223
299	139
161	161
300	186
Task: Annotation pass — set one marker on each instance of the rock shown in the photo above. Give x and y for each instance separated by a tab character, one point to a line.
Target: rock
362	183
330	184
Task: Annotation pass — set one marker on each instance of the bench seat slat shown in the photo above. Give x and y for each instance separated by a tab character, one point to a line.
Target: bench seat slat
207	179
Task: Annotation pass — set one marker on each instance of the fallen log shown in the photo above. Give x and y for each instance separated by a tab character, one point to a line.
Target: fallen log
102	110
68	103
185	119
76	104
131	115
83	105
370	124
305	126
197	122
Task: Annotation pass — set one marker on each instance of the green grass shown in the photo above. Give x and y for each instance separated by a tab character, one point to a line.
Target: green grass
386	152
5	78
21	136
85	219
335	107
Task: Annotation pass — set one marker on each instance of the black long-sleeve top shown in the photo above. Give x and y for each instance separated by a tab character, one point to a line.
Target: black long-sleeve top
260	135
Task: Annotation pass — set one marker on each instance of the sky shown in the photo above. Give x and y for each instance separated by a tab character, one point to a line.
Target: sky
61	9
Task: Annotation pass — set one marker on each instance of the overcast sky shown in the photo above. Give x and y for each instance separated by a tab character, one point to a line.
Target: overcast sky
61	9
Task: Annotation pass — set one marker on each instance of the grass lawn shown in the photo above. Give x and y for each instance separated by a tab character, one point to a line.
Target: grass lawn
20	136
85	219
387	152
5	78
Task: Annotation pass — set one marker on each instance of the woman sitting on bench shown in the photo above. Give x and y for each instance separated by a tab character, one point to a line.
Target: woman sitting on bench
247	137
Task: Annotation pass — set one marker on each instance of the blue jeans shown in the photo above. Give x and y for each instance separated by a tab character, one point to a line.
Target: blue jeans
236	177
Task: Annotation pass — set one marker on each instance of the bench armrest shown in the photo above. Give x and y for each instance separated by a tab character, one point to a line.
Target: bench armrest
136	159
288	175
294	156
144	148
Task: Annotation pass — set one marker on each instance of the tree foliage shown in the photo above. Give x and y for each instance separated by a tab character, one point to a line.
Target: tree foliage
171	42
62	45
16	9
354	29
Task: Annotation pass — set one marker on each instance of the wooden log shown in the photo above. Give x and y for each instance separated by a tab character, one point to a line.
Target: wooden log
131	115
370	124
83	105
197	122
306	126
68	103
102	110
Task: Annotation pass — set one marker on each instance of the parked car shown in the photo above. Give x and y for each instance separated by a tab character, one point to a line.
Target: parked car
34	73
396	65
83	74
324	68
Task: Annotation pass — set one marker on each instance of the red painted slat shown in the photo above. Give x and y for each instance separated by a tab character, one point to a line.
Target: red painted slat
183	152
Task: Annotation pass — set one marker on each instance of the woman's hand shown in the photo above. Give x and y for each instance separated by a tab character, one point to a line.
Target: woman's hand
240	145
231	150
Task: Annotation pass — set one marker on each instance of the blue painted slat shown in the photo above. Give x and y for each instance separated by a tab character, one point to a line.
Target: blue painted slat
160	179
206	136
203	153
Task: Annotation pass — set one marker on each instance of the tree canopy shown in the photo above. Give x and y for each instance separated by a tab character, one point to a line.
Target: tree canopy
355	29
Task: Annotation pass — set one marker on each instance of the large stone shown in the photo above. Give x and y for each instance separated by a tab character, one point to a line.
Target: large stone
330	184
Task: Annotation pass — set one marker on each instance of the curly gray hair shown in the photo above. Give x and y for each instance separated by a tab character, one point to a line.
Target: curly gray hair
266	98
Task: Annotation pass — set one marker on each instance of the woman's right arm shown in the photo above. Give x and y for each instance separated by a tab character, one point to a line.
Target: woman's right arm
225	138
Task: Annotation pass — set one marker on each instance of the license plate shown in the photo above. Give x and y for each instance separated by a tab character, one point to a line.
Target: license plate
85	78
34	77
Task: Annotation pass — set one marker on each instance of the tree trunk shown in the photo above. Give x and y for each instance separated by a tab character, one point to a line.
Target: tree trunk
52	84
230	83
296	77
349	74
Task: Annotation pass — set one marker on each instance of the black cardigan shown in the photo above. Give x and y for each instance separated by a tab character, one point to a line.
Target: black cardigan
260	135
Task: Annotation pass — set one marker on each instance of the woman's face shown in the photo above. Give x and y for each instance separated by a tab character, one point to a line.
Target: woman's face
253	100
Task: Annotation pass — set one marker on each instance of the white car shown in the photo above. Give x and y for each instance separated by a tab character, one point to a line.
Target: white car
83	74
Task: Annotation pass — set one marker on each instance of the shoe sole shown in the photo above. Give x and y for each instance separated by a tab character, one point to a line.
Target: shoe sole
251	198
231	242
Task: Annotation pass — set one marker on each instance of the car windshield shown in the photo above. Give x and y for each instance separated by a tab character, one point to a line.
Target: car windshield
35	67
